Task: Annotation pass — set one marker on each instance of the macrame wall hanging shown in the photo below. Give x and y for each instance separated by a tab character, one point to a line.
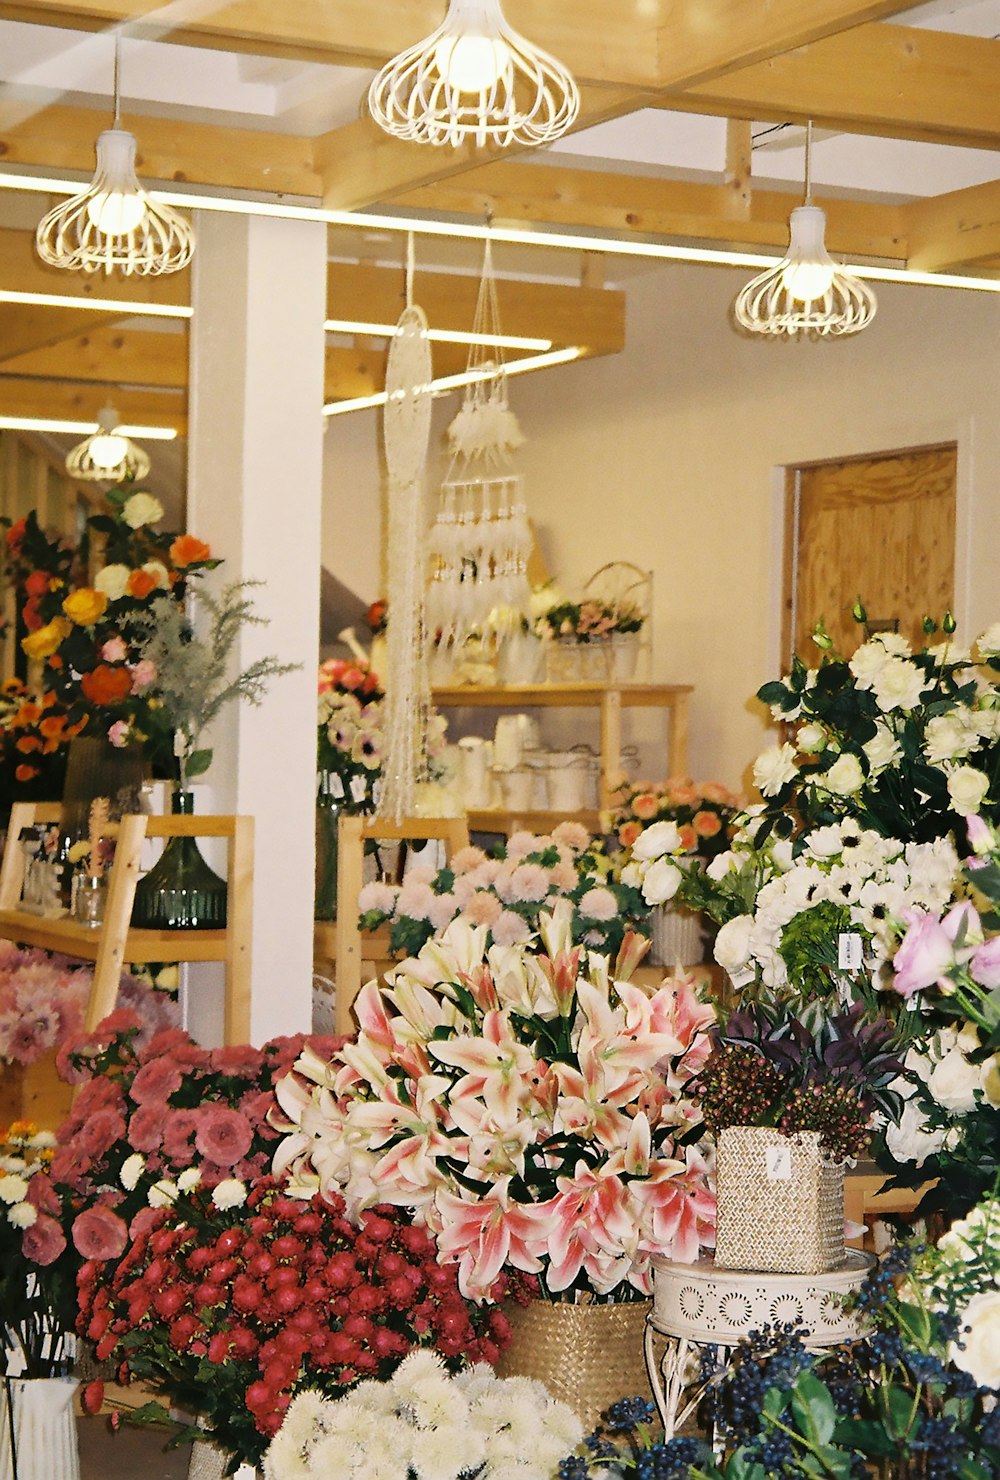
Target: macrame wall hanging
480	541
406	431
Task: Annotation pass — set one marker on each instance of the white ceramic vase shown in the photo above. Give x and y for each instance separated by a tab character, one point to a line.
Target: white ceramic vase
44	1429
676	936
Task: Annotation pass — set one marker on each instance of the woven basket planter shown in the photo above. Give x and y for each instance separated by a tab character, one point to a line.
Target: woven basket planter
780	1203
586	1355
676	934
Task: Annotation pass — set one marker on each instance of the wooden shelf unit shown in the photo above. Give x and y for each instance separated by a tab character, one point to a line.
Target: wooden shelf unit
115	942
610	699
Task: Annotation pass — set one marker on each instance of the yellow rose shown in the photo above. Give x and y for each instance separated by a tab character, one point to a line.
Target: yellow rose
43	643
85	606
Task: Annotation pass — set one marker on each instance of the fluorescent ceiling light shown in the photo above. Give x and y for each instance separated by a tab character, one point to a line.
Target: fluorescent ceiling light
558	240
99	305
442	336
466	377
83	428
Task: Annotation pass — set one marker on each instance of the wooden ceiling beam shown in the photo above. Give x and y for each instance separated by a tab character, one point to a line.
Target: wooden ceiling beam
591	317
25	327
112	355
80	402
953	230
171	151
362	34
627	204
897	81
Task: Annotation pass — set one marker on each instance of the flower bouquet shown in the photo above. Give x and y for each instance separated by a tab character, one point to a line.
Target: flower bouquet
34	734
37	1294
229	1302
423	1421
349	739
507	893
533	1112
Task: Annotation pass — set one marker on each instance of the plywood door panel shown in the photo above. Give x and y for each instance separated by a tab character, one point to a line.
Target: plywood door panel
882	529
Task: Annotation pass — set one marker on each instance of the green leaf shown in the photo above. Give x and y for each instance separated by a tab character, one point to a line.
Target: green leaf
813	1408
197	763
898	1407
865	1437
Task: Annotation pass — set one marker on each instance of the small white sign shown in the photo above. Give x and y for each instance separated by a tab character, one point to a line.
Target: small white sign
336	785
779	1163
849	951
359	789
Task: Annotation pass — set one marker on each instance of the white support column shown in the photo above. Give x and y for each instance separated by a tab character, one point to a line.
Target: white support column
254	493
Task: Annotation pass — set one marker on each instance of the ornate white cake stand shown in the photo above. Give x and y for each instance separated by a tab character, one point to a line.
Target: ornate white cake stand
697	1305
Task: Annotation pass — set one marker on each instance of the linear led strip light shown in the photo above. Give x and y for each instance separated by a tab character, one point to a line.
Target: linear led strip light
559	240
466	377
83	428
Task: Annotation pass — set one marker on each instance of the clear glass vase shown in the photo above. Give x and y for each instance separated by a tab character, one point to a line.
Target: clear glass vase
180	892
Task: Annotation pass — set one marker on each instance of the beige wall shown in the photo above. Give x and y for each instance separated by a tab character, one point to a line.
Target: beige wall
671	454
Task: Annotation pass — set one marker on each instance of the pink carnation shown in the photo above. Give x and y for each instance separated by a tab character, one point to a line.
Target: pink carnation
599	904
99	1233
179	1129
156	1081
145	1128
238	1059
223	1135
44	1241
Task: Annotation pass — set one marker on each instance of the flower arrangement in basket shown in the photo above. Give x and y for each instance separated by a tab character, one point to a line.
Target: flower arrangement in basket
589	620
424	1421
703	811
534	1112
37	1293
508	891
790	1097
79	629
229	1304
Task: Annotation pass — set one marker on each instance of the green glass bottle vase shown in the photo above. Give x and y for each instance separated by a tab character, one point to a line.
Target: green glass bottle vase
330	802
180	892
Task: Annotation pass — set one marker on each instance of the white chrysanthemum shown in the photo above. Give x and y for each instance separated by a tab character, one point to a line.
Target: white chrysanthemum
189	1179
162	1194
773	768
13	1188
229	1193
13	1164
444	1453
22	1215
132	1169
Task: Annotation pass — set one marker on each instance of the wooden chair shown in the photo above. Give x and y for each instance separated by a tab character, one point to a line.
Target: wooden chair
116	942
354	831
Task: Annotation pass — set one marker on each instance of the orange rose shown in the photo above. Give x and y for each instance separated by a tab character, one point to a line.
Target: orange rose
139	584
43	643
28	714
52	726
689	841
27	743
25	773
707	824
85	606
187	550
645	805
106	685
628	832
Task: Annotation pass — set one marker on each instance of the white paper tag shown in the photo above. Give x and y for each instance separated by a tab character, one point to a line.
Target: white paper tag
849	951
359	788
335	785
741	977
779	1163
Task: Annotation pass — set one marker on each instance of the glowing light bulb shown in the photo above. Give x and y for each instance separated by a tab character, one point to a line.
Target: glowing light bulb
808	280
471	63
108	449
116	212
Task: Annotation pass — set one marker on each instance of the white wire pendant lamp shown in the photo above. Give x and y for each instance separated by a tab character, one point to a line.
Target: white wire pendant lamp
115	223
806	293
107	455
474	77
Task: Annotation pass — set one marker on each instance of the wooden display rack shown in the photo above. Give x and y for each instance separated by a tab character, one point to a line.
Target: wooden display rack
116	942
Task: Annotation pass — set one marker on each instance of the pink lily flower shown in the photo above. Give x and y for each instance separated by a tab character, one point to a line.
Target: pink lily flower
484	1235
677	1210
497	1066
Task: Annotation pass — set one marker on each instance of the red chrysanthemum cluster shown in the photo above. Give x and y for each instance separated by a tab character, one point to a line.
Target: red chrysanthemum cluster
246	1306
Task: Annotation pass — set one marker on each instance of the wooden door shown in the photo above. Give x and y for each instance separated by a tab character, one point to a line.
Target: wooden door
878	528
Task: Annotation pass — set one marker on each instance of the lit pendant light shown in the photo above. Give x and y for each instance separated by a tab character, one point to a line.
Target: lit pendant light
806	293
107	455
115	223
474	77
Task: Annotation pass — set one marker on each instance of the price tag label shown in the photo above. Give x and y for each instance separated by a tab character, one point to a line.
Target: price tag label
779	1163
336	785
849	951
742	977
359	789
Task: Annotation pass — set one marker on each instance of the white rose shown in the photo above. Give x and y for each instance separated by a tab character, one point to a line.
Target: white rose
882	749
140	509
845	776
868	661
112	580
661	882
953	1081
653	842
988	642
899	685
773	767
810	738
910	1140
721	865
948	737
632	876
967	787
732	944
22	1215
159	572
132	1169
229	1193
979	1352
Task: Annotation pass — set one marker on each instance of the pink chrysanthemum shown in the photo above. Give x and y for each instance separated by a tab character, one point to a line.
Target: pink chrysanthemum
509	929
483	909
598	904
529	883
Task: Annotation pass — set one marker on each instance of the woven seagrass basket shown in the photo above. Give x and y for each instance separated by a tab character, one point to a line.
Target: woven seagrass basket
586	1355
780	1203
